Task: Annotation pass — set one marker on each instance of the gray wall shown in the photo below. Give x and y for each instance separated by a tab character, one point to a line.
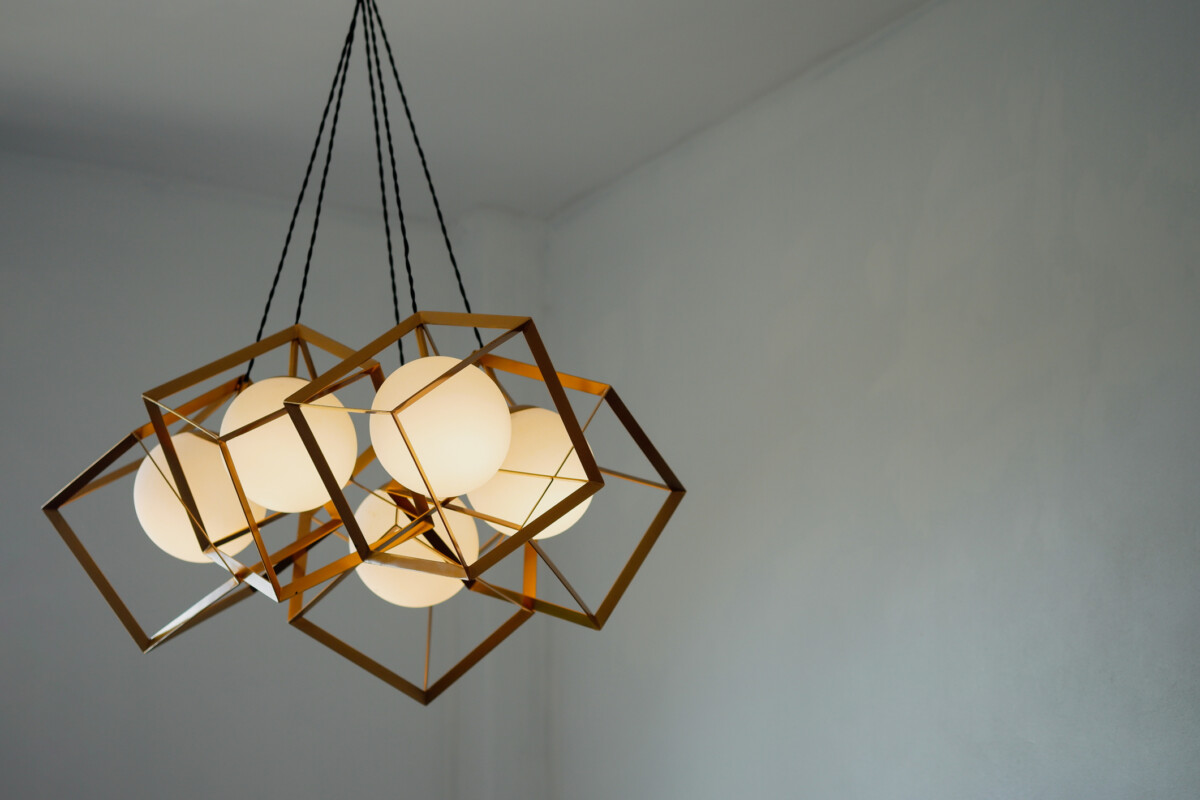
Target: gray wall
917	330
920	332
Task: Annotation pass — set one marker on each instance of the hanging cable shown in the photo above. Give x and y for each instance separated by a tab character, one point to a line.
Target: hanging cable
343	64
372	18
312	239
387	123
372	71
437	207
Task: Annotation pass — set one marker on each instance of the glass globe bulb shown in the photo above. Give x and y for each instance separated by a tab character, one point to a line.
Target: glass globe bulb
540	444
272	463
162	514
406	587
460	431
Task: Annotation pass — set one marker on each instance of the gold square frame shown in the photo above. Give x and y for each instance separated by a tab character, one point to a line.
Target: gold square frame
102	474
418	323
426	692
263	576
669	483
557	383
243	578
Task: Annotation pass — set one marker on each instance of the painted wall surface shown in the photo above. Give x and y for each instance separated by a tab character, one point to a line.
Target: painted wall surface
113	283
920	333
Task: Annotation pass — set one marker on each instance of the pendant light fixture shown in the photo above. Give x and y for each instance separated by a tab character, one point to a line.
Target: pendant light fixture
437	483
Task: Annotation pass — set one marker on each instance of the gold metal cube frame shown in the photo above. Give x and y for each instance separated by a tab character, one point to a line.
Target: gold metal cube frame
425	692
542	370
189	415
263	576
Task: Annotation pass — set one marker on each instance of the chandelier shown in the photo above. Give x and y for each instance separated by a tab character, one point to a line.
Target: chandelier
332	467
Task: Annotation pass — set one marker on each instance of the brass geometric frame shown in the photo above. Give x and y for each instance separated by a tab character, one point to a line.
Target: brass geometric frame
190	415
426	692
98	476
263	576
418	323
583	615
526	599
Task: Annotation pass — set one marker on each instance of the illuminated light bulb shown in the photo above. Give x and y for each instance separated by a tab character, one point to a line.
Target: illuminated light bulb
460	431
407	587
540	444
162	514
272	463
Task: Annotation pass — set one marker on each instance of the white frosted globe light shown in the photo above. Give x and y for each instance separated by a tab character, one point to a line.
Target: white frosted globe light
540	444
407	587
163	515
272	463
460	431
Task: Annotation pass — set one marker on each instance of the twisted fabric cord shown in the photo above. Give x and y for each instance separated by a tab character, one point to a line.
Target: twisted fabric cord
343	62
337	111
437	207
387	123
372	67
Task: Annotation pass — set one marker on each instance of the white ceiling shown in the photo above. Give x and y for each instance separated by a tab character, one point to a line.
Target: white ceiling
523	104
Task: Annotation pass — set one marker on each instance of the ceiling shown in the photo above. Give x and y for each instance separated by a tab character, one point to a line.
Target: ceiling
521	104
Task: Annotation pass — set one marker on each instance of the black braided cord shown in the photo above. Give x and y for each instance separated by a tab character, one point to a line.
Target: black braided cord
312	240
387	123
343	63
372	68
437	207
372	18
